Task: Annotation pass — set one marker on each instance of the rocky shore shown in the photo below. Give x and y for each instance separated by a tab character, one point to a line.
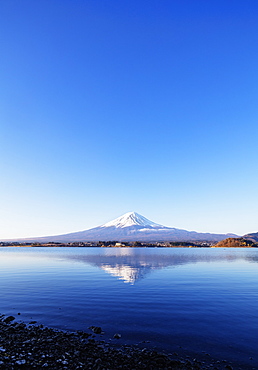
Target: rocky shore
34	346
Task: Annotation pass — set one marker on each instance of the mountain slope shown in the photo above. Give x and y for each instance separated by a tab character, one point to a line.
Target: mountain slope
132	227
252	236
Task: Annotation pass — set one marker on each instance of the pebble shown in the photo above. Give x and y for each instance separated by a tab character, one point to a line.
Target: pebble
117	336
37	347
9	319
20	362
96	329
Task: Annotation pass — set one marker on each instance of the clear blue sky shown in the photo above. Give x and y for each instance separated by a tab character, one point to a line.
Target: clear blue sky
115	106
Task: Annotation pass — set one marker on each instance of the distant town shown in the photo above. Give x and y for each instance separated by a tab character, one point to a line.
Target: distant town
226	243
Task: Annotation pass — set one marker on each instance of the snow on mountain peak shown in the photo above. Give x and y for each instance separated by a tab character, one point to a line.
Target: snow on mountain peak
131	219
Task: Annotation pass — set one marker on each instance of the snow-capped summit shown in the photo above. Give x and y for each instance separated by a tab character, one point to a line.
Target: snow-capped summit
131	219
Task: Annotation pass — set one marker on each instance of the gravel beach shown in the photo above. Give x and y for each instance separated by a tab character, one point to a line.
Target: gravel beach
34	346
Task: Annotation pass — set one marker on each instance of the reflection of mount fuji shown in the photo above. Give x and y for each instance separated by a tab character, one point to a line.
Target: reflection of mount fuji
133	264
126	273
130	265
127	264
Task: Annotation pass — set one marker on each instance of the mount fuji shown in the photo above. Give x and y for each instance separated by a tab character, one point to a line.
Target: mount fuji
133	227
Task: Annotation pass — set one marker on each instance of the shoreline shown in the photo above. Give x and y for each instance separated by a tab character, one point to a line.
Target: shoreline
34	346
126	246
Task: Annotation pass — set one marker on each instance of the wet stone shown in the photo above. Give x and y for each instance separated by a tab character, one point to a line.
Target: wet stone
9	319
96	329
38	347
117	336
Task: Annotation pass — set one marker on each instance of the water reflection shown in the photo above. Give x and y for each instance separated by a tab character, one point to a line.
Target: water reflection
131	264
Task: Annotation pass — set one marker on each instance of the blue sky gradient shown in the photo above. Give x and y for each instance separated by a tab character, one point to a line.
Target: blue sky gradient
115	106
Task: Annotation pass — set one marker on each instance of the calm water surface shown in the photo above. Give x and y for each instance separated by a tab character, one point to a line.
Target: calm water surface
180	299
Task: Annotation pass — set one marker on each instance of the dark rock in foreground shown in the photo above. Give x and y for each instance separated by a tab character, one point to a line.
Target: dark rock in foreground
38	347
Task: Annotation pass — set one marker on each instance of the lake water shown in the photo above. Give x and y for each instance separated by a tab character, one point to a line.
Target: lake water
184	300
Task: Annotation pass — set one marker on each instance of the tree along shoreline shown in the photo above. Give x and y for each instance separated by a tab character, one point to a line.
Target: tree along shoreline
226	243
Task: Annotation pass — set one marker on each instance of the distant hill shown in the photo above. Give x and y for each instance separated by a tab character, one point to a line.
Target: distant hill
236	243
131	227
252	236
